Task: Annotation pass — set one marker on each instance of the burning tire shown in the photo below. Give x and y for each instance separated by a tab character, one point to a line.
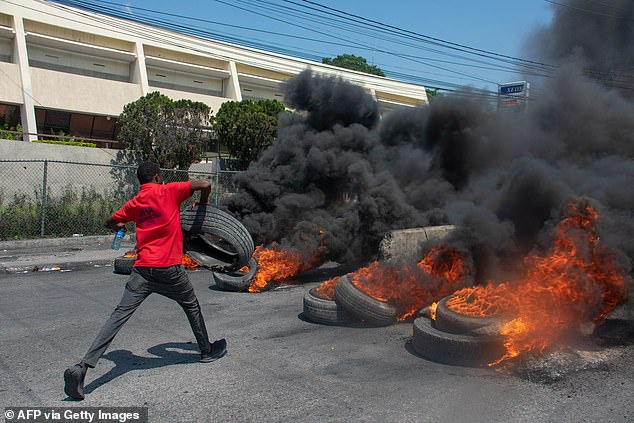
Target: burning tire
321	310
362	306
450	321
124	265
456	349
216	238
236	281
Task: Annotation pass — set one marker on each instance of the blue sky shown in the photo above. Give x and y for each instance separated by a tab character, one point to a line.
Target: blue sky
492	25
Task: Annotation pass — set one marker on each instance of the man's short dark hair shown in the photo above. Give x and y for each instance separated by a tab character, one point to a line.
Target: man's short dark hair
146	172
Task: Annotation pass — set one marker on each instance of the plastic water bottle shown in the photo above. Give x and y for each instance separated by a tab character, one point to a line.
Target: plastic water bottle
116	242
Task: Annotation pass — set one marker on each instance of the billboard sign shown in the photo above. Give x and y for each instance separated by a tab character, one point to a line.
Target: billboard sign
513	96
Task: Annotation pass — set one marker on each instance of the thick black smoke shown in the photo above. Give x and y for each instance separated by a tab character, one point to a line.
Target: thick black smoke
501	178
318	184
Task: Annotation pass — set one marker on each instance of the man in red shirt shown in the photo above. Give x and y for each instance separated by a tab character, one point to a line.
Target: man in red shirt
156	212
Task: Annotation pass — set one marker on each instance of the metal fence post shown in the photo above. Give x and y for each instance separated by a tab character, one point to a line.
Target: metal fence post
216	186
44	195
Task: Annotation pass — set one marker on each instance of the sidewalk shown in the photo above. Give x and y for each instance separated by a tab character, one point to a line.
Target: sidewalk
59	253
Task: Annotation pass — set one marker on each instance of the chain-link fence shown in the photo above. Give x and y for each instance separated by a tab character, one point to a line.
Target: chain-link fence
49	198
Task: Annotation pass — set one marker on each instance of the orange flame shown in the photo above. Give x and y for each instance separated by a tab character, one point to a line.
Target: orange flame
432	309
185	261
130	254
326	290
189	263
409	288
575	283
277	265
481	301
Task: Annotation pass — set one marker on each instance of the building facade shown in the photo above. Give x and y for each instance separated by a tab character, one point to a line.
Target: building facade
69	71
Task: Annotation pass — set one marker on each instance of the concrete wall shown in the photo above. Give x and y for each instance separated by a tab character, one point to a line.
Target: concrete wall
10	83
404	245
26	178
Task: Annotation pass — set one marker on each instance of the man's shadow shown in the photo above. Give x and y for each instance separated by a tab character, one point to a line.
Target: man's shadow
125	361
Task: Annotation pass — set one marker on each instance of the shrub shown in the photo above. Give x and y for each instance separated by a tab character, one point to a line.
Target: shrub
74	143
66	214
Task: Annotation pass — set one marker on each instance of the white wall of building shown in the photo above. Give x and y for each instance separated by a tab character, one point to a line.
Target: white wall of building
71	60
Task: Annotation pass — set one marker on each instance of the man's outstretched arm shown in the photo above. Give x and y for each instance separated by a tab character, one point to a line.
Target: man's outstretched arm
112	224
202	185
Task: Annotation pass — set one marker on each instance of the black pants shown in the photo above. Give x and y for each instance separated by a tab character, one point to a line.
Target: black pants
171	282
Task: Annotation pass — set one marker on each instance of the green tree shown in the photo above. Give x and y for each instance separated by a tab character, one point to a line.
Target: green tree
432	94
357	63
247	127
171	133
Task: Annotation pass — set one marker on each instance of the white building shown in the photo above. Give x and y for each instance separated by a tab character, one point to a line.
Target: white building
69	70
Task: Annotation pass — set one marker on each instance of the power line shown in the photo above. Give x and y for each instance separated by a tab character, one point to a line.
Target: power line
449	43
100	9
610	80
441	85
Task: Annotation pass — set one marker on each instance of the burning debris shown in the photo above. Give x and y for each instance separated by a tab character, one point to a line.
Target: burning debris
338	178
278	265
576	284
382	293
326	290
410	288
188	263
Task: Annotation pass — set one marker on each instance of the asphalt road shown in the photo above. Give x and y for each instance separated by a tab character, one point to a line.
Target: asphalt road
279	367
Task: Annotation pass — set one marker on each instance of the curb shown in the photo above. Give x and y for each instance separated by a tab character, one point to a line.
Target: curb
24	256
46	266
56	242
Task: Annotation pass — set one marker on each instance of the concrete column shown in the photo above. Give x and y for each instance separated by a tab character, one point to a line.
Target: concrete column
139	71
232	84
20	56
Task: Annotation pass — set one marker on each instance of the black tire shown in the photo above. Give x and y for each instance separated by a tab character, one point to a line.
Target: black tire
236	281
363	307
216	245
450	348
320	310
449	321
223	238
123	265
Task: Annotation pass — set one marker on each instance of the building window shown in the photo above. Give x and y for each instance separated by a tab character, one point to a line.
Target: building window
54	122
9	114
103	128
81	125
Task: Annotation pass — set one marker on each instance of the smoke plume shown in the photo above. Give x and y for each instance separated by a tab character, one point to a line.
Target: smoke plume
339	176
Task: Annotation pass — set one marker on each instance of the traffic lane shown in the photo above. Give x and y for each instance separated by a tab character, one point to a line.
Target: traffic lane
279	367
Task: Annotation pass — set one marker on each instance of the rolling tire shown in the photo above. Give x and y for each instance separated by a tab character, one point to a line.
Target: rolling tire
230	241
449	321
123	265
363	307
321	310
216	247
236	281
455	349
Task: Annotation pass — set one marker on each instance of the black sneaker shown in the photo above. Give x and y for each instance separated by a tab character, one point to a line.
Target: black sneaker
216	350
74	381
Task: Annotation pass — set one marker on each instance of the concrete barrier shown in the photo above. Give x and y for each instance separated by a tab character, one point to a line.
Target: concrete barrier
404	245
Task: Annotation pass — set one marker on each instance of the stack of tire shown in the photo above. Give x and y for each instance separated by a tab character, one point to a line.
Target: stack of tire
217	241
350	305
450	338
458	339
